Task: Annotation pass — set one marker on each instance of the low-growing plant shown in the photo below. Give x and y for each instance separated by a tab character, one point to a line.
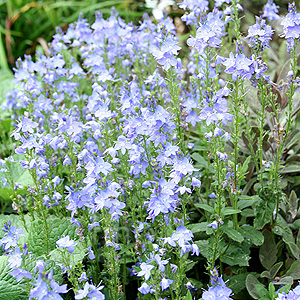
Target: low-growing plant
140	171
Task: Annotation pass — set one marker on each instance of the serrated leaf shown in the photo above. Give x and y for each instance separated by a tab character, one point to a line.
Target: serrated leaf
9	288
268	251
252	234
42	239
233	234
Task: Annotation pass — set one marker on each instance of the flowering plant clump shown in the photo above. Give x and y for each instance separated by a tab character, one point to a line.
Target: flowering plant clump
143	163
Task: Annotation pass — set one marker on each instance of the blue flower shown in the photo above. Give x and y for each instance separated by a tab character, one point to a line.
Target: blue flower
161	263
165	55
260	34
165	283
145	270
218	290
291	26
145	289
20	273
90	291
66	242
238	65
271	11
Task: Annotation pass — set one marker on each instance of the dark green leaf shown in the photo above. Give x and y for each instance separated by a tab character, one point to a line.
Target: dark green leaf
235	256
237	282
294	270
268	251
264	214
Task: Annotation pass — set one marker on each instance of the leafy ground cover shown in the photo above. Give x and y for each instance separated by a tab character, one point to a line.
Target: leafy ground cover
139	165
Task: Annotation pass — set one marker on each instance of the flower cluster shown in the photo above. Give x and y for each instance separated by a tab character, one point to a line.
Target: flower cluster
124	145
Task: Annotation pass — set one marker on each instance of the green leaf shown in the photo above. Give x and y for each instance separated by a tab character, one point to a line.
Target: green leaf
262	291
206	248
248	212
252	234
235	256
18	175
244	168
268	251
233	234
200	161
9	288
272	290
266	274
298	239
198	227
18	223
264	213
251	284
205	207
188	296
42	237
275	269
246	201
60	255
190	265
284	280
294	250
236	282
294	270
285	289
227	211
293	204
291	168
